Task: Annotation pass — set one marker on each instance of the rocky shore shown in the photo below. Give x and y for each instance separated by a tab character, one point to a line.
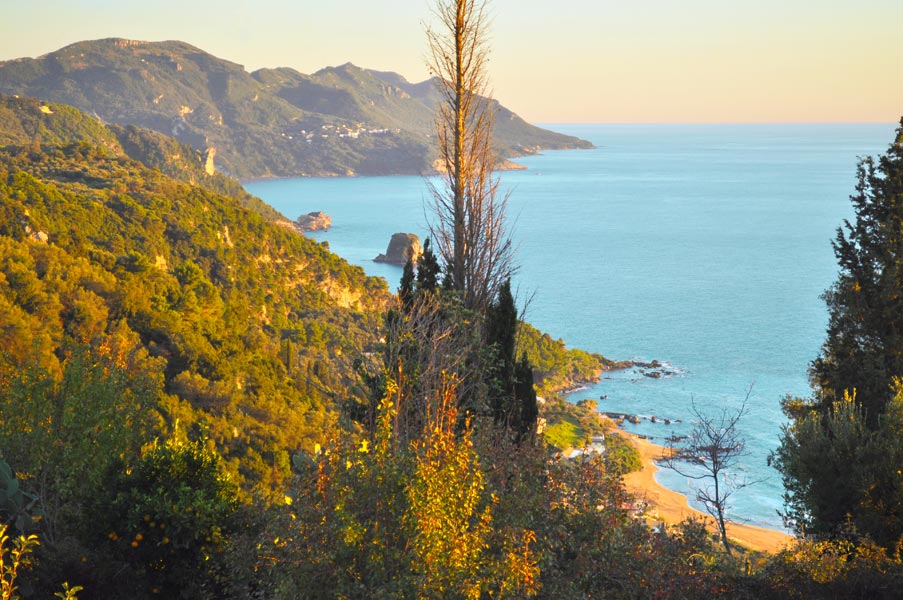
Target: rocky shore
654	370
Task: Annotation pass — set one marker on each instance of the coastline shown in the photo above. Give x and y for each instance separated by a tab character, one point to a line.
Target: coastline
672	507
507	165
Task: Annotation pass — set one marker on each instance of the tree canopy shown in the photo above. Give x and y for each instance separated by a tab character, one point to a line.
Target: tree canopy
863	351
840	454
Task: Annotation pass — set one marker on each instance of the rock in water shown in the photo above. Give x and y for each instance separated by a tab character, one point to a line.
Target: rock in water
402	246
315	221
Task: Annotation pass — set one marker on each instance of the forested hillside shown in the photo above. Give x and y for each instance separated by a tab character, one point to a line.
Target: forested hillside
254	327
28	122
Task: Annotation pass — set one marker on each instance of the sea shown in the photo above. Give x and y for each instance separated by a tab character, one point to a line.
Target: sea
705	247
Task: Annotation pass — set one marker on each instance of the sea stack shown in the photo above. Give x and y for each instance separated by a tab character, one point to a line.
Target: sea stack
402	246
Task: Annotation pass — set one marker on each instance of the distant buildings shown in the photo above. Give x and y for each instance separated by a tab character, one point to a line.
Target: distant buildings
339	130
596	446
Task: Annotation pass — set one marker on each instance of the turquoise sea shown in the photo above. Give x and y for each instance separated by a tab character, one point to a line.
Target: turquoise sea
705	247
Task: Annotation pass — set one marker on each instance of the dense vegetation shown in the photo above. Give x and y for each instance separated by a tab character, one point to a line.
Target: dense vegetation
199	403
28	122
557	367
99	251
280	122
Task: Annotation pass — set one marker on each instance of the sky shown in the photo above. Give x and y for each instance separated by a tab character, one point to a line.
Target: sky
607	61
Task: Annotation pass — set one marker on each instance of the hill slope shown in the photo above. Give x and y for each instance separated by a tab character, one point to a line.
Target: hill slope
273	122
250	328
30	122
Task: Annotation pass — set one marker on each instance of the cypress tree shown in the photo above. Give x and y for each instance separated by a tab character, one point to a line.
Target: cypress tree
525	397
427	269
406	287
512	396
501	329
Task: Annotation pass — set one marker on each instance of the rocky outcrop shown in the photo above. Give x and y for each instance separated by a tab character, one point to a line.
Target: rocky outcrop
402	247
36	234
209	161
315	221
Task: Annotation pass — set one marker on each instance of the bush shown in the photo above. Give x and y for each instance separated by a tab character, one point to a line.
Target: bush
621	457
169	517
840	568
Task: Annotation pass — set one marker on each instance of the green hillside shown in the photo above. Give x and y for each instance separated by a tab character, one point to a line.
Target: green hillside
273	122
30	122
254	327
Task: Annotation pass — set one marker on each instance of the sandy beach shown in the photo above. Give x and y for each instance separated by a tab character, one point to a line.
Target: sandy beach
671	507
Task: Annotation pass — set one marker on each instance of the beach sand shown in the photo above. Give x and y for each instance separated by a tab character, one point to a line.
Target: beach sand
671	507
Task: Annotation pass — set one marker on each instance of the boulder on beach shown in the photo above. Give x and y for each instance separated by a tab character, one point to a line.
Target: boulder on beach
315	221
402	246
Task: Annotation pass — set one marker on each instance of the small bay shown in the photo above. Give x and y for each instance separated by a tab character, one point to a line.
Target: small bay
706	247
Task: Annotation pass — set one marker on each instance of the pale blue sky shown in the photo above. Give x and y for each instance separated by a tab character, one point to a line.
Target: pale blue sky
575	60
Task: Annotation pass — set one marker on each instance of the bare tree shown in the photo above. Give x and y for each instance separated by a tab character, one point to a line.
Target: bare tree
709	454
470	225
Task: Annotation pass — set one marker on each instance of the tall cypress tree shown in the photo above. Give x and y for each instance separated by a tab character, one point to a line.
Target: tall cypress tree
525	397
428	269
513	399
501	330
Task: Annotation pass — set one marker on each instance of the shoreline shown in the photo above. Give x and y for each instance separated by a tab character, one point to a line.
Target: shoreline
605	365
670	507
510	164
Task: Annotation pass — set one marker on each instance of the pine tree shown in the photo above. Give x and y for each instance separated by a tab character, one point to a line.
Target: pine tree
864	347
840	454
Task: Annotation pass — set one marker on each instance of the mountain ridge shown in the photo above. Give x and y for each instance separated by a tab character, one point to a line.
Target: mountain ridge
271	122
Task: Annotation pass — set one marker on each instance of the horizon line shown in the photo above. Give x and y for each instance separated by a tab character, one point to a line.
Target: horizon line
543	123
